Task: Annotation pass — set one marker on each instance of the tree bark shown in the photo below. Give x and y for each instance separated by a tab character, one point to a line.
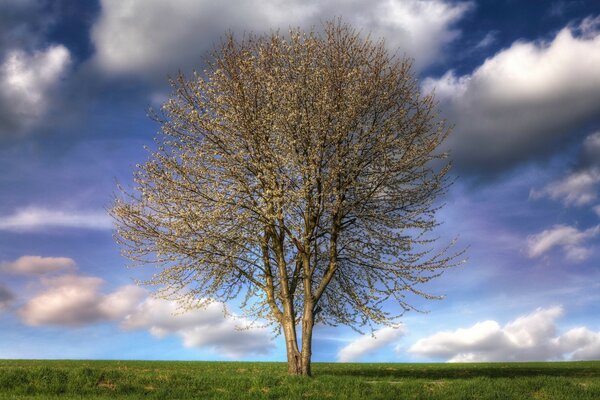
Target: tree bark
299	361
294	356
307	328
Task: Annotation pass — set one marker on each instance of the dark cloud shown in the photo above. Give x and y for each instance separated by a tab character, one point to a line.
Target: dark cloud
22	24
157	38
6	297
523	101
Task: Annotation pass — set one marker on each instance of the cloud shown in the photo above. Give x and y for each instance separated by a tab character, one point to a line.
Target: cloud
73	300
369	343
579	188
568	238
515	105
209	328
118	304
39	219
591	150
27	83
530	337
489	39
36	265
21	22
6	297
154	37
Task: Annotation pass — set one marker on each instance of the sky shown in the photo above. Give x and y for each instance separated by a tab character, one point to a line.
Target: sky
519	81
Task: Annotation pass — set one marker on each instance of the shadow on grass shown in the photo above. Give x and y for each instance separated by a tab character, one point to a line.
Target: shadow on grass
455	371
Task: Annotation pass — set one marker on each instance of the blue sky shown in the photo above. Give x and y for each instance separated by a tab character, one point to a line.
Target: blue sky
520	82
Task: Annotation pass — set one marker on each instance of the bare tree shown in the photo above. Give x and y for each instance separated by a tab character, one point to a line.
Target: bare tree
299	170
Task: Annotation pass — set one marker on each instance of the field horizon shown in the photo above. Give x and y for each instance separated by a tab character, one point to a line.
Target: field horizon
103	379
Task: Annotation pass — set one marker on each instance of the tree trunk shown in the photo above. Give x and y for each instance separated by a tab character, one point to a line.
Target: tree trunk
294	356
307	328
299	361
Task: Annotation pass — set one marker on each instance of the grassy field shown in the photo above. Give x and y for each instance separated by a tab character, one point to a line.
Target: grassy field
232	380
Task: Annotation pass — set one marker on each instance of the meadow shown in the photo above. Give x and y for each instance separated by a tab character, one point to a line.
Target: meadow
32	379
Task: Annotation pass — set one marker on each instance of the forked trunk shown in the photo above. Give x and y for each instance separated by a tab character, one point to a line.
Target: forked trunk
298	361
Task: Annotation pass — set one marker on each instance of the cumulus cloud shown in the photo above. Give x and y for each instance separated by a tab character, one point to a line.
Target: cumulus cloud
530	337
152	36
36	265
231	336
39	219
6	297
513	106
73	300
569	239
27	82
369	343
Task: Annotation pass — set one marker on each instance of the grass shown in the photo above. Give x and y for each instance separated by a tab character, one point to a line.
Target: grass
246	380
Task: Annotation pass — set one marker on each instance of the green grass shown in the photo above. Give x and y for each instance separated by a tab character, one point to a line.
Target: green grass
233	380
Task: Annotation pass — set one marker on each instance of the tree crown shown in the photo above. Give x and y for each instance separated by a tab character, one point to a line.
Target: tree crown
299	169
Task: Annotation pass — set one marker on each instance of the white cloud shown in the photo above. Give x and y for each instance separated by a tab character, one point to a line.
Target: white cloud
580	188
231	336
36	265
118	304
530	337
6	297
512	106
369	343
150	36
37	219
73	300
568	238
488	40
27	81
68	300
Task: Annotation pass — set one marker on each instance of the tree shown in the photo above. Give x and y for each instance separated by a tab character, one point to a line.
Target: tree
300	171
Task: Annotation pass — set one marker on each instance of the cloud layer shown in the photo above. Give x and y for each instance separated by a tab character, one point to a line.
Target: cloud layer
369	343
519	101
156	37
528	338
36	265
39	219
